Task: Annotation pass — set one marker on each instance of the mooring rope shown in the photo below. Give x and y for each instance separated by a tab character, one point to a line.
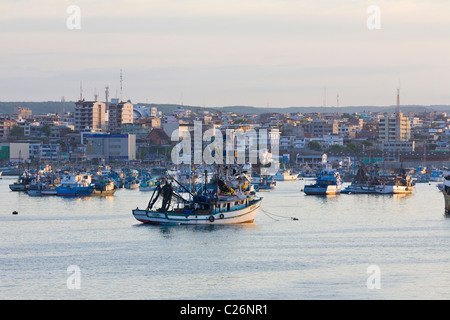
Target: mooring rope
273	214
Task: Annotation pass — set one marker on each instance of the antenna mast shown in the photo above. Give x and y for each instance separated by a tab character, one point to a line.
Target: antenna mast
121	83
107	96
63	100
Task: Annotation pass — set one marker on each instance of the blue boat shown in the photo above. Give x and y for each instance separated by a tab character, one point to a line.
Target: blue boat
327	182
76	185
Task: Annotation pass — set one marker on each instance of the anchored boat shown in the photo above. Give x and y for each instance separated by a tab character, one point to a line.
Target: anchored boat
327	182
218	207
285	175
374	183
75	185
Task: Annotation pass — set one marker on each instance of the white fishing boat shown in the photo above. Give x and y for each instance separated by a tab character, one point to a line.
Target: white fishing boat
285	175
201	209
365	183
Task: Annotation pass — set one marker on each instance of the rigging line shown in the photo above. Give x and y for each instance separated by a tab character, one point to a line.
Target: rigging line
269	213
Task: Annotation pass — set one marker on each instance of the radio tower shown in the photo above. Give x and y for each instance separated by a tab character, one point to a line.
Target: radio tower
107	96
121	82
63	101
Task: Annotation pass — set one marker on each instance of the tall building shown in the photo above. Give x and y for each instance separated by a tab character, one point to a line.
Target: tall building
395	131
119	113
90	116
395	128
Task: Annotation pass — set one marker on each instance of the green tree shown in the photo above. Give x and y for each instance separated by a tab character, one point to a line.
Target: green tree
314	145
46	129
16	131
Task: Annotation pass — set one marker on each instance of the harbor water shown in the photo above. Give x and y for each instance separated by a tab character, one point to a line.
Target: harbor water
329	251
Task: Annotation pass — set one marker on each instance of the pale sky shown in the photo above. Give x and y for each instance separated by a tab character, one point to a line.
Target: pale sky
276	53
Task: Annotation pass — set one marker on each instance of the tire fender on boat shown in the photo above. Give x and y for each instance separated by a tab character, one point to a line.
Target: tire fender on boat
211	219
221	216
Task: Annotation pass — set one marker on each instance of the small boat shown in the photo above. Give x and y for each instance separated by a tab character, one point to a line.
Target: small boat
327	182
148	185
75	185
104	188
437	176
49	190
35	189
285	175
131	184
22	184
265	183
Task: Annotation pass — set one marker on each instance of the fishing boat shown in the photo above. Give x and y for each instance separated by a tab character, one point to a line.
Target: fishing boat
104	188
327	182
264	184
285	175
35	189
374	183
400	183
49	190
22	183
437	176
131	183
224	206
446	192
148	185
75	185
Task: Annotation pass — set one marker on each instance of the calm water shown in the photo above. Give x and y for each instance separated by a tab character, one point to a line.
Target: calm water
323	255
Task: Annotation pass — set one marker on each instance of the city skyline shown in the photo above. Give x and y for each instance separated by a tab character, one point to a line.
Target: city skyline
224	53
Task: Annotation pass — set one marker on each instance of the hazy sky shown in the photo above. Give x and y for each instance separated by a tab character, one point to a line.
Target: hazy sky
275	53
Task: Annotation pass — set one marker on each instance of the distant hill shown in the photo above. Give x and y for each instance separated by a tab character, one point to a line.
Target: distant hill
57	106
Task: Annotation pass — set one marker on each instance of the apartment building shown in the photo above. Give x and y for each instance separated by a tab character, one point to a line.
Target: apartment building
90	116
119	113
394	128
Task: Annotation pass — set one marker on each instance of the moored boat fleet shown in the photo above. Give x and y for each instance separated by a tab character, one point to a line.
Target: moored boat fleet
208	195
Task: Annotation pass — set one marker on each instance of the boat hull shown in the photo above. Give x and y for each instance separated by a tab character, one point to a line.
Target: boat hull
103	193
244	215
317	190
286	178
447	202
147	188
49	192
18	187
380	189
74	192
